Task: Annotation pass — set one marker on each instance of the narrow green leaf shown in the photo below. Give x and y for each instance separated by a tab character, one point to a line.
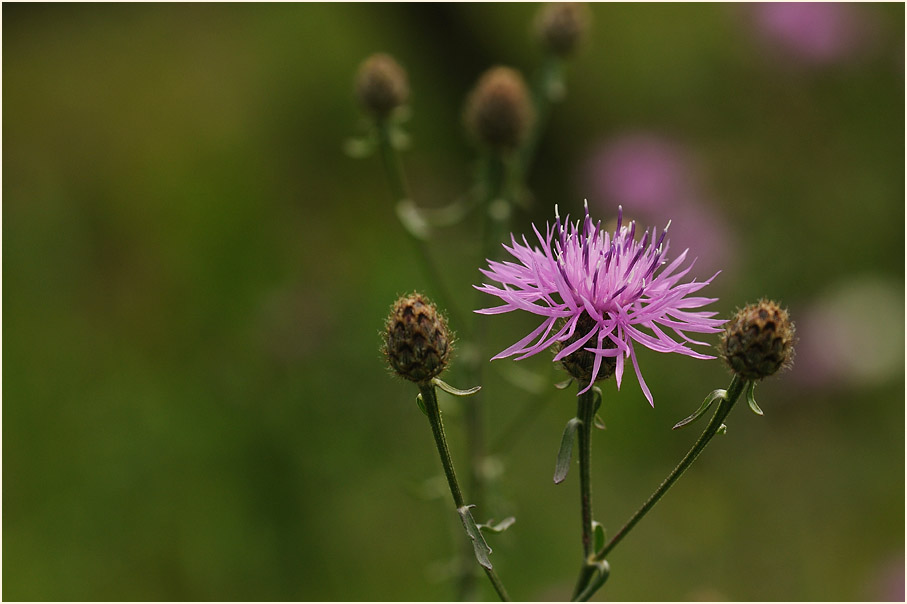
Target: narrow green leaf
359	148
751	398
711	398
597	401
421	404
479	546
565	453
412	221
598	533
500	527
564	385
454	391
598	422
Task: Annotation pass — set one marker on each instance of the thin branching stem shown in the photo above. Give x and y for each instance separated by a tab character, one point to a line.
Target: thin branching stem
430	400
585	412
396	179
737	387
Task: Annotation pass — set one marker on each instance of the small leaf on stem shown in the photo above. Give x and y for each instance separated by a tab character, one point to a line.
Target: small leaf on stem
500	527
479	546
598	532
713	396
399	139
751	398
565	453
359	148
412	221
421	404
454	391
722	429
564	385
602	572
599	423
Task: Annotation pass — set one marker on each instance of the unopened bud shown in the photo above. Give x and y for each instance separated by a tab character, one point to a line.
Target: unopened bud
561	26
381	85
498	110
416	341
758	341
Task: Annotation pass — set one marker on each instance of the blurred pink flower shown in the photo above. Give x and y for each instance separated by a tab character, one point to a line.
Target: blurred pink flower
814	32
887	584
643	172
654	178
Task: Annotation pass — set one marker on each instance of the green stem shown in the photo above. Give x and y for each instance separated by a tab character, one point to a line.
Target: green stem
724	407
433	410
585	412
550	74
430	399
393	169
498	586
492	181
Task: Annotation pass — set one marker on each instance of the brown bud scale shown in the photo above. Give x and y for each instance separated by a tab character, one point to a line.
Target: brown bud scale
381	85
758	341
417	342
562	26
498	110
579	363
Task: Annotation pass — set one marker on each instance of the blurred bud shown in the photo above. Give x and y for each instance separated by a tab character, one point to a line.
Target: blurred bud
561	26
758	341
417	342
381	85
498	110
580	364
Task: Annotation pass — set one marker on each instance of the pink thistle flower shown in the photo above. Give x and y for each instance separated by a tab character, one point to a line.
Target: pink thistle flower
605	287
813	32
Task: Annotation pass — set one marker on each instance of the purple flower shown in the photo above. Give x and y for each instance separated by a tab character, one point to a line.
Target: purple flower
605	287
815	32
643	171
653	176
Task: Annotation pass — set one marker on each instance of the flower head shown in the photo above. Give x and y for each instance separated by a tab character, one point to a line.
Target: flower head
758	341
416	339
599	294
561	26
813	32
499	111
381	85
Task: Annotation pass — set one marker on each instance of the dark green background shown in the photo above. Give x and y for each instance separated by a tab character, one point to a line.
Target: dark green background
194	277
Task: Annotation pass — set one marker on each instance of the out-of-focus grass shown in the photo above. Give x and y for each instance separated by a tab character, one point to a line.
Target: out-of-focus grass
194	278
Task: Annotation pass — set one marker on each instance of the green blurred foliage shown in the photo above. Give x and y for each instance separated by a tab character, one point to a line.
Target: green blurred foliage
195	275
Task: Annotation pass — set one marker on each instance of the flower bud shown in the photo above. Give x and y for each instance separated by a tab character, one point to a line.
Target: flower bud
579	363
758	341
417	342
498	110
561	26
381	85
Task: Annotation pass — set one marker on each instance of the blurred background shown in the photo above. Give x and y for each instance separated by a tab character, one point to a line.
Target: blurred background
195	276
